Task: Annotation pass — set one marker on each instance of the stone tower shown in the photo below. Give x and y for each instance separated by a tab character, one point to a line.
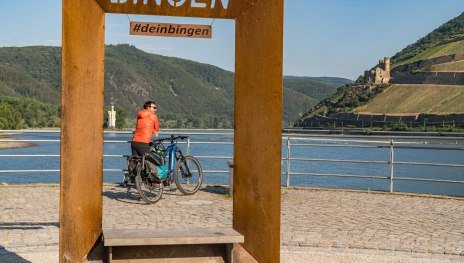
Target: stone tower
112	116
381	73
387	65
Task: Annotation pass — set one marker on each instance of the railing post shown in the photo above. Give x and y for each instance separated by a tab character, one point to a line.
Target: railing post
230	163
288	161
188	146
392	159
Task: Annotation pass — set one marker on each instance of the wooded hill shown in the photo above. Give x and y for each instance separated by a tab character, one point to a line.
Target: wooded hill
188	93
443	35
407	99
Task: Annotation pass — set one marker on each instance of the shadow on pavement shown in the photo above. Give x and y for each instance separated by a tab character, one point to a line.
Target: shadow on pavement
216	189
128	195
27	225
10	257
131	196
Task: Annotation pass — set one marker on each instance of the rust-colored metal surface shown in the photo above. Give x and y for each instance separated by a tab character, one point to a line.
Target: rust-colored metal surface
239	254
258	117
81	160
258	127
190	8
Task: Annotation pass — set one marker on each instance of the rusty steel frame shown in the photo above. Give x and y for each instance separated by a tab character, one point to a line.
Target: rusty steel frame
258	119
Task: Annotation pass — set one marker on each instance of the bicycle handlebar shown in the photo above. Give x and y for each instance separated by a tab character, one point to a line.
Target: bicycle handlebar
171	139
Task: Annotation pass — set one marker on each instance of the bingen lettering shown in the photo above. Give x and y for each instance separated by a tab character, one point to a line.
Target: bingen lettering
178	3
170	30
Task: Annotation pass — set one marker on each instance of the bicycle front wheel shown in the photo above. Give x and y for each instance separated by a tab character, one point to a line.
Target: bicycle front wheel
188	175
148	190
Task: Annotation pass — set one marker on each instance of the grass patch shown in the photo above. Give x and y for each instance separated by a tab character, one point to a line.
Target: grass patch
413	99
457	66
451	48
422	56
438	51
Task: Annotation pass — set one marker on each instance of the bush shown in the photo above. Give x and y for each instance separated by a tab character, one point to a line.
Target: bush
400	127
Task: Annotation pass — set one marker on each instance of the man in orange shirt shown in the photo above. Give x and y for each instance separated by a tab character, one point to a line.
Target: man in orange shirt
147	125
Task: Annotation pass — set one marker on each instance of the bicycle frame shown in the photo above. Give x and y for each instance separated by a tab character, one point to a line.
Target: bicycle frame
171	154
146	183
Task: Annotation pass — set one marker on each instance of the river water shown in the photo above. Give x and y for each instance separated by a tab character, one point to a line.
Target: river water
372	149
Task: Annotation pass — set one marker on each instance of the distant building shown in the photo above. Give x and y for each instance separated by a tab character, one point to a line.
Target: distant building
379	75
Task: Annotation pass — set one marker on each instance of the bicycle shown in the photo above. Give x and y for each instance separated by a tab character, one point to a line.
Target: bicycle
162	166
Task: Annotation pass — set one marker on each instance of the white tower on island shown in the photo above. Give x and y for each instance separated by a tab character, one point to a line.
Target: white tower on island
112	116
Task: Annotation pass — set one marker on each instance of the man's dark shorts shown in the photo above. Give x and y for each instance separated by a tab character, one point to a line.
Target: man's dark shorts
140	148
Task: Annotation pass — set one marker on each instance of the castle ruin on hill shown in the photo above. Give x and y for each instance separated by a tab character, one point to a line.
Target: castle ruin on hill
379	75
418	72
432	71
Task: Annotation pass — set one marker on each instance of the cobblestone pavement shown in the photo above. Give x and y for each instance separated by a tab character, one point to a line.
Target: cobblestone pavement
311	218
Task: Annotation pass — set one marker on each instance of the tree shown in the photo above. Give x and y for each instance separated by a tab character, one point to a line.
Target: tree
9	117
121	117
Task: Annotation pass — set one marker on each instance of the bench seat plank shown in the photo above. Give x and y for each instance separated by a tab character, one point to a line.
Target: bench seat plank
117	237
170	260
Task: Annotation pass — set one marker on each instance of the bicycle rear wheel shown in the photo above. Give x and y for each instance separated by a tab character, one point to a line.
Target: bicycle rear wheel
130	173
148	190
188	175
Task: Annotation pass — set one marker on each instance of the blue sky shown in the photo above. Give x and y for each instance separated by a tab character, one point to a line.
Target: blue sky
339	38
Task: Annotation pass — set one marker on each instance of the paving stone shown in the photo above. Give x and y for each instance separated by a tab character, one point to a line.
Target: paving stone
310	217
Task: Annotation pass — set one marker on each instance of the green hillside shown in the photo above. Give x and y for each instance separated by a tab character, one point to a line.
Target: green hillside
457	66
434	42
317	88
326	80
426	98
345	99
448	39
32	72
304	93
437	51
430	99
189	94
182	89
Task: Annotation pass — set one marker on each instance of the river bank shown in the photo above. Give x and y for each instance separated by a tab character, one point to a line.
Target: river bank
12	144
371	133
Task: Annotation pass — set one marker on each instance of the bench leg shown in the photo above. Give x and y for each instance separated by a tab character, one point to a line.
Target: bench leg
230	251
110	254
239	255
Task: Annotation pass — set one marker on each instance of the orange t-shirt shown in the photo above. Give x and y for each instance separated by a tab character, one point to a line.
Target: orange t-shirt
147	122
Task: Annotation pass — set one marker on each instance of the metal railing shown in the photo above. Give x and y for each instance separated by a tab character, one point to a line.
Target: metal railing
188	143
391	162
292	141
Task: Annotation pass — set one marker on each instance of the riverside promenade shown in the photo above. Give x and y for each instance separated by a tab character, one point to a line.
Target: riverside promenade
317	225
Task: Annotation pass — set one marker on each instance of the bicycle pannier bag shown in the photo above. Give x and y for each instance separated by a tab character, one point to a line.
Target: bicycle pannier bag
154	158
158	171
162	174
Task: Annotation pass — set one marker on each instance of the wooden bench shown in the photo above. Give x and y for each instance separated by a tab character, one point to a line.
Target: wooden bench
171	245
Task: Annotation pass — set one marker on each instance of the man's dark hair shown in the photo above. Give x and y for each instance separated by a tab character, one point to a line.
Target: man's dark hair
148	104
